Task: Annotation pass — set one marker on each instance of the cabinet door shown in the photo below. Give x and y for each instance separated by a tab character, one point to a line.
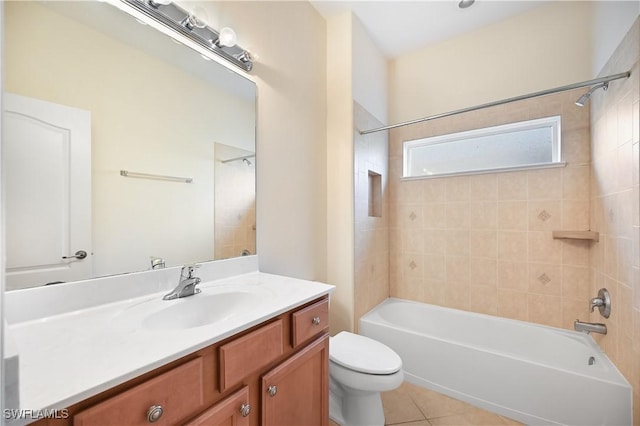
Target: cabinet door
297	391
231	411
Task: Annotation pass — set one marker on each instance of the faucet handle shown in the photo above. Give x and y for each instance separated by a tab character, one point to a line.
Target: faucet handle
189	269
602	302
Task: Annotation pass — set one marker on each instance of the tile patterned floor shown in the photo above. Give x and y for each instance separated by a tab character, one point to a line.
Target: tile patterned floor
410	405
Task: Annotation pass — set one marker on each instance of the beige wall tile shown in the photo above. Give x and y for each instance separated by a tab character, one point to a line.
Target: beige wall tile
434	241
457	294
543	309
457	189
483	299
543	248
512	275
483	214
575	145
483	187
512	215
457	268
544	184
512	304
575	283
544	215
512	186
457	215
412	240
573	310
434	292
483	271
576	252
433	190
512	245
483	243
544	279
575	183
575	215
434	216
457	242
434	267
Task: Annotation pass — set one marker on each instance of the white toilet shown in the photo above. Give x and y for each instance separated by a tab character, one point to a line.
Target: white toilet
359	369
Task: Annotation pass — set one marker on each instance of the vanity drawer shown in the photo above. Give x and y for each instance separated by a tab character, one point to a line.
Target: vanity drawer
178	393
233	410
249	353
309	322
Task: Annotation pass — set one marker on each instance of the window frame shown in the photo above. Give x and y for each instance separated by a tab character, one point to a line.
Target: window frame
554	122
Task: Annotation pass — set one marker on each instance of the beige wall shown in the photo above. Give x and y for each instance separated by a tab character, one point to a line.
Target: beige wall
340	157
235	195
483	243
54	58
371	222
546	47
615	204
356	99
290	72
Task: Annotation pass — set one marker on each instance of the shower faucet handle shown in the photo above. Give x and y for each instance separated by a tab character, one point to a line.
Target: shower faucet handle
602	302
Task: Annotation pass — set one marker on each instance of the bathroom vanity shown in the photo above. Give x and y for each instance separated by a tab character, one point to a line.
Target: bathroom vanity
145	360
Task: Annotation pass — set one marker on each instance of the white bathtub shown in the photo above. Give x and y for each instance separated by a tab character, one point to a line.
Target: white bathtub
528	372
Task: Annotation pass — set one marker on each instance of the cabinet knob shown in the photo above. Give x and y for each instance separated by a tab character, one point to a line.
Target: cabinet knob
316	320
272	390
154	413
245	410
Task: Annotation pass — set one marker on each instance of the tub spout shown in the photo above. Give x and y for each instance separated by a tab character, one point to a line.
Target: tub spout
588	327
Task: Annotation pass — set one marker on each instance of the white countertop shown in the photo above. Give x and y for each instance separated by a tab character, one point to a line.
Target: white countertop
71	356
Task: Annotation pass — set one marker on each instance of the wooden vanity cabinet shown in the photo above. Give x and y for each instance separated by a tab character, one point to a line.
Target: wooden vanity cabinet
276	373
294	393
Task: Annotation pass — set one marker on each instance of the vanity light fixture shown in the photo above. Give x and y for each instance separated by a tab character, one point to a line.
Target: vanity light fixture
227	37
222	44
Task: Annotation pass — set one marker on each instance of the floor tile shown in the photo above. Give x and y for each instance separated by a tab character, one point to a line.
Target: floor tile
419	423
433	404
399	407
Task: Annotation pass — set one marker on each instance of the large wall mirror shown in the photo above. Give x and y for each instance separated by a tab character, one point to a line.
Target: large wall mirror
122	148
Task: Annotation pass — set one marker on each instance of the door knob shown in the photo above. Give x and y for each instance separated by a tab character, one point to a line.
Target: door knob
80	254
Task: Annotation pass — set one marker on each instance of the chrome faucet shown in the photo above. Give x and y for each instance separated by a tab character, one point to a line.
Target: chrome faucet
187	284
157	262
602	302
588	327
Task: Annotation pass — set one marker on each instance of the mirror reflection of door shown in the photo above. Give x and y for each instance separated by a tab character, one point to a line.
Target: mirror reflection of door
47	158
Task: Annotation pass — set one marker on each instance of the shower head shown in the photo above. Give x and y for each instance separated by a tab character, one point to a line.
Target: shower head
584	98
246	161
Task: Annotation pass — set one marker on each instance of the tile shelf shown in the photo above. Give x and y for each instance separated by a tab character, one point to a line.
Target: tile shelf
577	235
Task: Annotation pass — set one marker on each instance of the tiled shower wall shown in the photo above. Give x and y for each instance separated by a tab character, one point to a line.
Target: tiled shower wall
235	208
483	242
371	214
615	260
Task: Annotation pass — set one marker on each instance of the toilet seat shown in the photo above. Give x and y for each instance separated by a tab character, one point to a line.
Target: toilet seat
362	354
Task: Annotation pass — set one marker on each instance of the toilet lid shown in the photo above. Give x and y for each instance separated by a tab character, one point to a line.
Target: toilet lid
362	354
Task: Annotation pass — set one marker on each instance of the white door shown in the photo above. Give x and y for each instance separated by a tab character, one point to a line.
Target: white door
47	168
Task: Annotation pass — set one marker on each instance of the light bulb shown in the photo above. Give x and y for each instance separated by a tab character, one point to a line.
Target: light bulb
156	3
227	37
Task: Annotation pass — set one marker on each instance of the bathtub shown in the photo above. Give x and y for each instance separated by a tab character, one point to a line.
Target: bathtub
531	373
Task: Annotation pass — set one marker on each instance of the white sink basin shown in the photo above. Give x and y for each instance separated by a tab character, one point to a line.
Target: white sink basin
199	310
212	305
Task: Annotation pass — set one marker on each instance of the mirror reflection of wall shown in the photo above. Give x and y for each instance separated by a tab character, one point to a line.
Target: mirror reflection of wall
147	115
235	187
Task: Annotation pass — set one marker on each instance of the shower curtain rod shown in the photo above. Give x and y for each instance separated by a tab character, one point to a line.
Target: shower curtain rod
504	101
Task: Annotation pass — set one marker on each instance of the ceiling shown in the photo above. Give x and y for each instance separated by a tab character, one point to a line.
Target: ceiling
399	27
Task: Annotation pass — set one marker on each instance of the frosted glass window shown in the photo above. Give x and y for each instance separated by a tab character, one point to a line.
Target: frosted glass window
526	144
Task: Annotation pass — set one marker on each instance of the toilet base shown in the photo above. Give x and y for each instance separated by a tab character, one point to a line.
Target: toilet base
355	408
